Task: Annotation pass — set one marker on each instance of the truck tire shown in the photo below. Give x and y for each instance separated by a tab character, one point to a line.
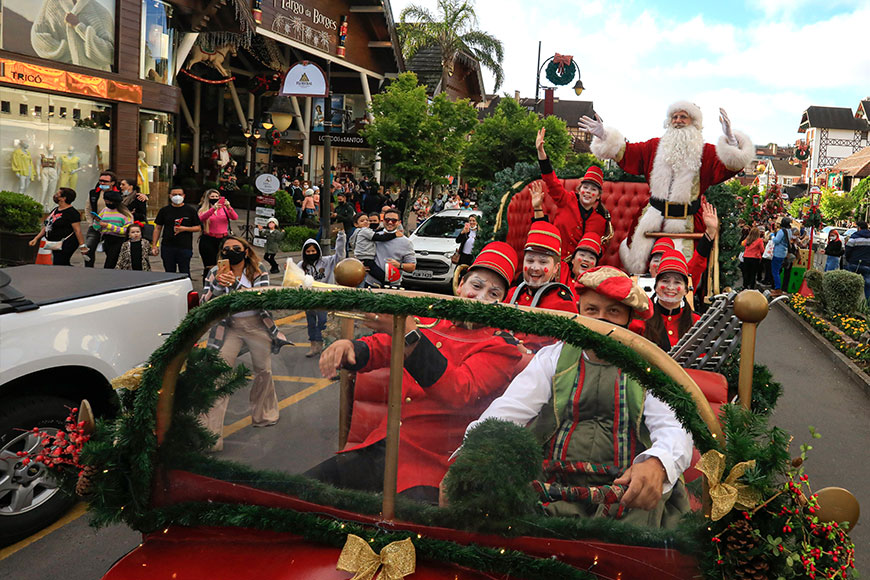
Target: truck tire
29	496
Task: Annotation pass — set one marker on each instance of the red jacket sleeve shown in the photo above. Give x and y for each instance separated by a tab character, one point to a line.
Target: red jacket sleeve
555	189
459	383
711	163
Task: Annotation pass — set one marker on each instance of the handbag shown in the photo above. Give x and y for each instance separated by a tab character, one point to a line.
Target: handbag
55	246
455	257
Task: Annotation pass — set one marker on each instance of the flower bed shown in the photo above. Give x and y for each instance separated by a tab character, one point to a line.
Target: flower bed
846	333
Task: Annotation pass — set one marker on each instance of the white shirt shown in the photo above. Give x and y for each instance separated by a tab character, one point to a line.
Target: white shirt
532	388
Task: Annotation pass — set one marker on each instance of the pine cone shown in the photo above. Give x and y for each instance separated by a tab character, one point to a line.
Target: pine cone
84	486
740	539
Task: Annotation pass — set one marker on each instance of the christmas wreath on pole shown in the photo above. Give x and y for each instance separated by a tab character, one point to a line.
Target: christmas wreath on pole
561	69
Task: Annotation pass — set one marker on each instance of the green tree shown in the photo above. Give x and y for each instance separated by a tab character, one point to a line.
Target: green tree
453	29
836	207
508	137
421	140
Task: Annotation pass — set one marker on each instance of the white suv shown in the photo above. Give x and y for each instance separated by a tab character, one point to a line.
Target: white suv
434	244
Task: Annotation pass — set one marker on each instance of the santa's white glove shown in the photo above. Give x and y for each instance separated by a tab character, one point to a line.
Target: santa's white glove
593	126
726	127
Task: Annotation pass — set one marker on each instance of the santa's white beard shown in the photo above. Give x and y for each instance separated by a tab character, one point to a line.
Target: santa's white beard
681	149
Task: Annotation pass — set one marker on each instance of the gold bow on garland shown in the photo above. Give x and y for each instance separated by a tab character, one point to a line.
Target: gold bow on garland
399	559
725	495
129	380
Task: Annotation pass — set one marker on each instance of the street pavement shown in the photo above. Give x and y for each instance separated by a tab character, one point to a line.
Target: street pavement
817	393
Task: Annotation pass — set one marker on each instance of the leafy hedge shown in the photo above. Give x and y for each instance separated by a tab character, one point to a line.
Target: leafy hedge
285	209
19	213
295	236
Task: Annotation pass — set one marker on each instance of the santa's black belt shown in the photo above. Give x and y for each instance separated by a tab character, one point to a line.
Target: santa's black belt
676	210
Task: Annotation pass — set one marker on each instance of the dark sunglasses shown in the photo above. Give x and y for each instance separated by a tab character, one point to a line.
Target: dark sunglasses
391	220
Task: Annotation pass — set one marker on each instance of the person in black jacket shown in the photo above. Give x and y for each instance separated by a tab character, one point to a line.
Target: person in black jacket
834	250
466	239
858	255
137	203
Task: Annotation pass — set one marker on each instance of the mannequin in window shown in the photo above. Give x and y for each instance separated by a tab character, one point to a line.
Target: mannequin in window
48	174
142	174
23	166
69	168
79	32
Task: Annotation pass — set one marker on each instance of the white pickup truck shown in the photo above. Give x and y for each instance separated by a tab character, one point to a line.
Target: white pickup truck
65	333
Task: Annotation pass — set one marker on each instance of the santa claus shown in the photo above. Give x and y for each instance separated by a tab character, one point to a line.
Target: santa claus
679	168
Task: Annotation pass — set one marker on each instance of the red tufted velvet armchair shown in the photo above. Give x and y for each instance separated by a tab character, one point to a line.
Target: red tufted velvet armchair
632	197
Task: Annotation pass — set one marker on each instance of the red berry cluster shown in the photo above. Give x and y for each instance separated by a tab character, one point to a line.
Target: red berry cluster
60	449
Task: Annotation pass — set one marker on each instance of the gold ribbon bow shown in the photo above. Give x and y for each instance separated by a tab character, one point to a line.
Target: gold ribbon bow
563	60
399	559
129	380
724	495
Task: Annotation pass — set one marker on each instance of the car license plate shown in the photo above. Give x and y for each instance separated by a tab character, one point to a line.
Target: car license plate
422	273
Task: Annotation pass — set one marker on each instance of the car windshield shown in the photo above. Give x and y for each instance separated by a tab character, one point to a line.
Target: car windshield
442	227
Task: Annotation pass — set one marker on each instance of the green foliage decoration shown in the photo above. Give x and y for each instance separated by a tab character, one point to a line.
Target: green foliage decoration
724	200
491	477
19	213
843	291
285	209
835	206
563	78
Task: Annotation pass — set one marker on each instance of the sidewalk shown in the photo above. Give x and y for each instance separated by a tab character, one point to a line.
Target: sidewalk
196	262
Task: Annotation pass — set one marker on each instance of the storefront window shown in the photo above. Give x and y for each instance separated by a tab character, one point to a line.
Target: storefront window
156	145
82	34
41	150
158	42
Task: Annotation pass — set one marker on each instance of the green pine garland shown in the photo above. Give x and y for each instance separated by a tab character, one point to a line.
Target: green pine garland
568	72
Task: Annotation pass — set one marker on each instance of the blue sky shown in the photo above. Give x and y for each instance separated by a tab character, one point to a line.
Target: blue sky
764	62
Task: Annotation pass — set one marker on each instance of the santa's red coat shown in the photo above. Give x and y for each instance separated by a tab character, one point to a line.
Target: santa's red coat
459	372
638	159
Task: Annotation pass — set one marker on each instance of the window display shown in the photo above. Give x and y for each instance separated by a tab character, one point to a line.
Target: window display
154	166
40	151
158	42
80	33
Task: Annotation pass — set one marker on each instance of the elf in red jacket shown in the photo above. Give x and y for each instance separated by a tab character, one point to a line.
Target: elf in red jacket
585	257
538	286
452	372
581	211
673	316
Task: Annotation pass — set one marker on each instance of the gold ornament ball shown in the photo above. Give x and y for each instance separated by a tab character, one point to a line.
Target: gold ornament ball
350	272
838	505
750	306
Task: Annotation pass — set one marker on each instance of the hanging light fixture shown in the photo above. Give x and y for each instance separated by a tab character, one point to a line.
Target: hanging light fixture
267	121
256	133
578	87
281	111
247	132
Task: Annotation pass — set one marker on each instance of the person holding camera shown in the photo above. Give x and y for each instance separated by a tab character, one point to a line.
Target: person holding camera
466	239
215	213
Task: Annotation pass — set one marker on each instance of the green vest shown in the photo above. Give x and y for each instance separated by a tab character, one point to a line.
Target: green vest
547	424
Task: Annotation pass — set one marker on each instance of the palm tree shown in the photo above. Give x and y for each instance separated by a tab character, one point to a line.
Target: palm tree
452	30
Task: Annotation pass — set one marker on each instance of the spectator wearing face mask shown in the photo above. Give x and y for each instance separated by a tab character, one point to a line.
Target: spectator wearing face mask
173	234
95	204
113	221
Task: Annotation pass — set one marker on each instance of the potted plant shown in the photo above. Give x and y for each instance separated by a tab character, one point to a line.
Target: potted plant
20	219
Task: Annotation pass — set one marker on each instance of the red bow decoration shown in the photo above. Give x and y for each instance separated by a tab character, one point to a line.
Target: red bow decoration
563	60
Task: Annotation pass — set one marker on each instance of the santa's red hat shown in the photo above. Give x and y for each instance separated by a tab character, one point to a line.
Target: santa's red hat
500	258
673	261
692	109
614	283
594	175
661	245
544	237
591	242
